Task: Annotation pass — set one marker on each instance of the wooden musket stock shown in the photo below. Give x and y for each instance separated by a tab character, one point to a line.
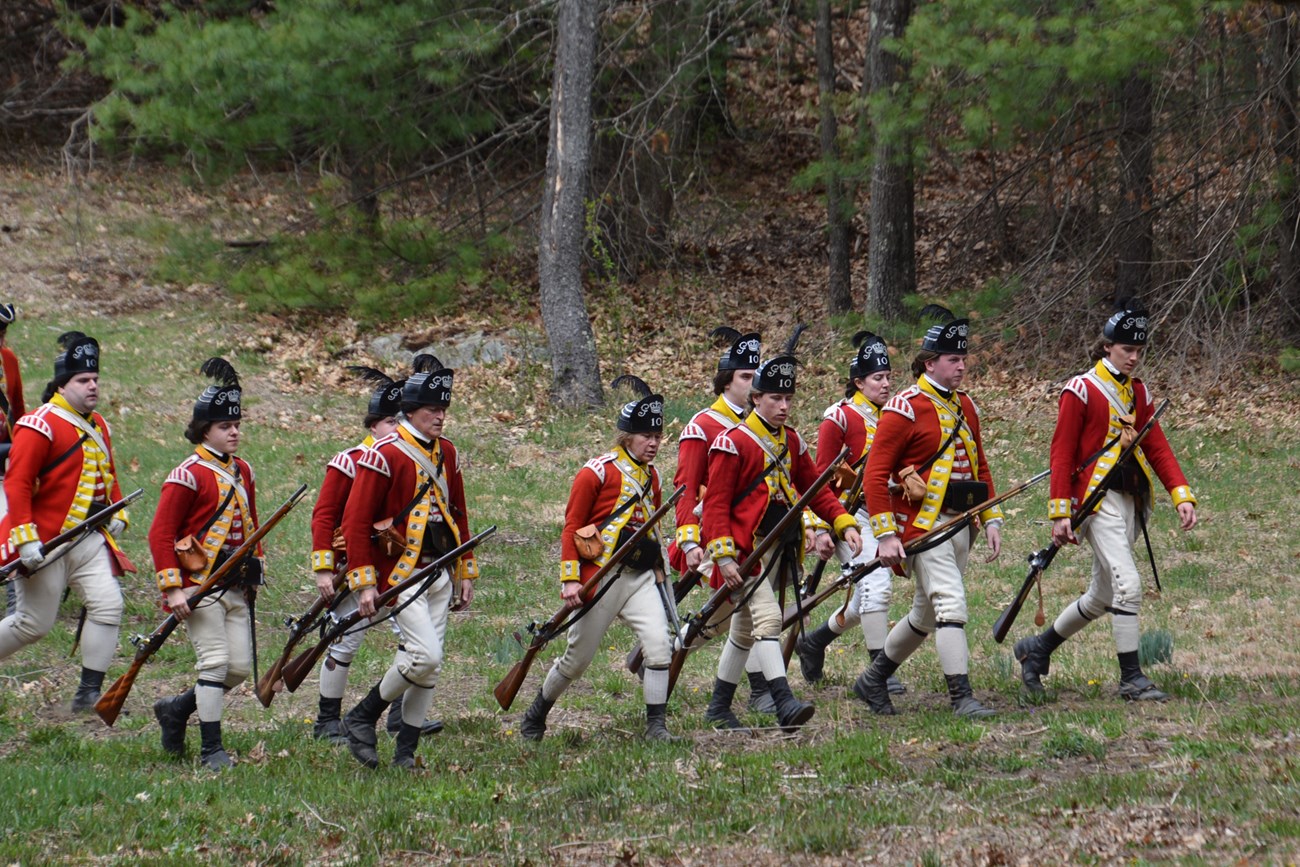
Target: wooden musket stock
110	703
72	534
509	686
270	683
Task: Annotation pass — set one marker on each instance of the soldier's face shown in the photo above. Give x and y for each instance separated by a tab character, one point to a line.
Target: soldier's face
1124	356
875	387
644	447
383	427
82	392
223	436
737	391
947	370
428	420
774	408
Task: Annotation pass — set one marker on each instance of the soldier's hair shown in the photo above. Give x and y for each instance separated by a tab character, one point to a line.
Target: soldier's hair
1097	351
48	393
722	379
196	430
623	440
918	363
373	418
850	388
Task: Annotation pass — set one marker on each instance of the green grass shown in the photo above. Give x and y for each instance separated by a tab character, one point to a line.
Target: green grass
921	787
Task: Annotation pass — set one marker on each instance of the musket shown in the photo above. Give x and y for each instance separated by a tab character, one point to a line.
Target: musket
695	625
270	683
852	503
681	587
294	672
1042	558
924	542
110	703
70	537
509	686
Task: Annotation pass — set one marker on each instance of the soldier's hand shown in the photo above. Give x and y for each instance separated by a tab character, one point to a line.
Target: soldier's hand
695	557
1187	515
994	533
823	545
116	527
891	551
366	602
731	574
854	540
31	555
178	602
466	595
325	583
1061	532
571	594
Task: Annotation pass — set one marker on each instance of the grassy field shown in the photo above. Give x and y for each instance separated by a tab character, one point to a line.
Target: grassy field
1210	777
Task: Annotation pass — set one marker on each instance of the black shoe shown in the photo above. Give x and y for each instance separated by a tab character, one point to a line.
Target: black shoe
394	723
760	695
811	648
1035	662
964	703
656	728
719	712
872	686
1141	688
359	727
328	727
892	683
173	715
533	726
791	713
213	755
407	739
84	701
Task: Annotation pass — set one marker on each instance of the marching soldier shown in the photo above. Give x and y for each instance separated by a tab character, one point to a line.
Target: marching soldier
929	439
406	509
61	471
12	408
207	507
1099	413
731	383
613	495
328	557
852	422
756	473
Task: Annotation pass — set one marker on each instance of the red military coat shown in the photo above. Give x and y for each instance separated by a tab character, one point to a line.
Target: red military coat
735	460
911	429
189	499
599	489
387	480
1086	420
693	471
327	514
850	422
12	385
43	505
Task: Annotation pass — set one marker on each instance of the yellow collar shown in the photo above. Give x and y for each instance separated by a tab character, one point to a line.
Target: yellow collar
722	406
62	403
212	457
928	387
1108	376
861	399
368	441
408	433
755	422
641	472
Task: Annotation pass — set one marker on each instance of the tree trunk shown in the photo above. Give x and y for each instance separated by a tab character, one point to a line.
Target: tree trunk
575	368
839	212
891	273
1135	247
1284	46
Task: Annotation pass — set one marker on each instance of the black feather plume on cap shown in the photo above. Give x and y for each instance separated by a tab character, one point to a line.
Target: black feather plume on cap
726	332
633	382
794	339
370	375
936	313
68	338
861	336
222	371
426	362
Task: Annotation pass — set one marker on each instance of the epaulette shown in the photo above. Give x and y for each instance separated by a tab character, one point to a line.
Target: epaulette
247	470
597	464
103	425
791	434
1078	387
724	444
975	406
1146	392
373	459
835	414
344	463
182	476
36	421
901	404
692	431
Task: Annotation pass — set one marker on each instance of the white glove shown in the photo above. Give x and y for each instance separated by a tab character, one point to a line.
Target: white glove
31	555
116	527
